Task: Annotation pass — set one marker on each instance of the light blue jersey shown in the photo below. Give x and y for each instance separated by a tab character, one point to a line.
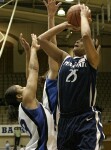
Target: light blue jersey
50	98
39	124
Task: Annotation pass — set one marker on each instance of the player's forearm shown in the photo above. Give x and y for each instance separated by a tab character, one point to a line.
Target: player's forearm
91	52
29	94
33	65
51	24
52	32
53	68
53	65
27	66
85	28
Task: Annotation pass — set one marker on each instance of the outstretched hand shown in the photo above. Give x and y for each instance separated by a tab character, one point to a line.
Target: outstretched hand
85	11
97	45
24	43
35	42
52	7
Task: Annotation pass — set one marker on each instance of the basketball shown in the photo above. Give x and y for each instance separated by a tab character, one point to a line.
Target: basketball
73	15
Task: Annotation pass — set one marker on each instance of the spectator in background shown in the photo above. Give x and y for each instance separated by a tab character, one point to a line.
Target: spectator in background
7	145
17	134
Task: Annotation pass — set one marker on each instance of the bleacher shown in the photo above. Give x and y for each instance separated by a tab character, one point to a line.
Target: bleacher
104	95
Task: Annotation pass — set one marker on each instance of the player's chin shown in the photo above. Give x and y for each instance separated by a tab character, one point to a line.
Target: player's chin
75	50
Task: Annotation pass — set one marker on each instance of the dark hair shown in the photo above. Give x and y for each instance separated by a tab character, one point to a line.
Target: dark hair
12	113
10	96
11	101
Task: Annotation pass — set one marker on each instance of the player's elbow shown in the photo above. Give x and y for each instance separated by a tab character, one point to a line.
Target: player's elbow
40	39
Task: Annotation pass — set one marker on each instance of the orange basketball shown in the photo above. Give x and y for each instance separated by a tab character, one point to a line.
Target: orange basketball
73	15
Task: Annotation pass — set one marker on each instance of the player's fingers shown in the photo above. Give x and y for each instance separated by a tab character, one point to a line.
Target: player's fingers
97	42
98	48
59	4
82	7
21	35
89	11
45	3
86	7
93	40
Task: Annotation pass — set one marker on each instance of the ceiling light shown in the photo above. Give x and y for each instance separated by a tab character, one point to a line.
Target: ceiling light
61	12
69	0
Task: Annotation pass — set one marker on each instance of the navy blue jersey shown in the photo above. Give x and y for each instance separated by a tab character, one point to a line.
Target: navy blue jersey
77	80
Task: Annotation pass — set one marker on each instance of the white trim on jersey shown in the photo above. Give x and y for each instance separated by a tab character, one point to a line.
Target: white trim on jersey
98	134
95	95
90	94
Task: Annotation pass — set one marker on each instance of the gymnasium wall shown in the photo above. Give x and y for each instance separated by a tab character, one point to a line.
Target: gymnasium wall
63	42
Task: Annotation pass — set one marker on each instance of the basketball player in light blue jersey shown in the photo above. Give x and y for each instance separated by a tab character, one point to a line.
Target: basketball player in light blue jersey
50	92
39	123
33	116
79	126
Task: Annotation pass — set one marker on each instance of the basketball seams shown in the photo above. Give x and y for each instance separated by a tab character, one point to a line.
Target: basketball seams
69	16
77	17
73	15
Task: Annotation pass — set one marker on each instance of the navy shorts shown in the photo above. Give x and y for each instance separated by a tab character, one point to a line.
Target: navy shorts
80	132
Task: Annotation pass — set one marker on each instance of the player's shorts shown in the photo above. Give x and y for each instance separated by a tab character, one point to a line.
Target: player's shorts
80	132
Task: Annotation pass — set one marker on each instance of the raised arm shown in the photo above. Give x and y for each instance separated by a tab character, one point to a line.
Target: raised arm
29	94
51	10
26	47
51	49
91	52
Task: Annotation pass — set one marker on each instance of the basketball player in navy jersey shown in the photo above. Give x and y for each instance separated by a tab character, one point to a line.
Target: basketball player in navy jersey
79	125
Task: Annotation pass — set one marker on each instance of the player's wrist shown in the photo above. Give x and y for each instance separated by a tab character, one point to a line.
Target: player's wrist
51	14
66	25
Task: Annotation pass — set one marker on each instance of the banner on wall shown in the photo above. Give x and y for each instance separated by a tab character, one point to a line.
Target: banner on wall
8	130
